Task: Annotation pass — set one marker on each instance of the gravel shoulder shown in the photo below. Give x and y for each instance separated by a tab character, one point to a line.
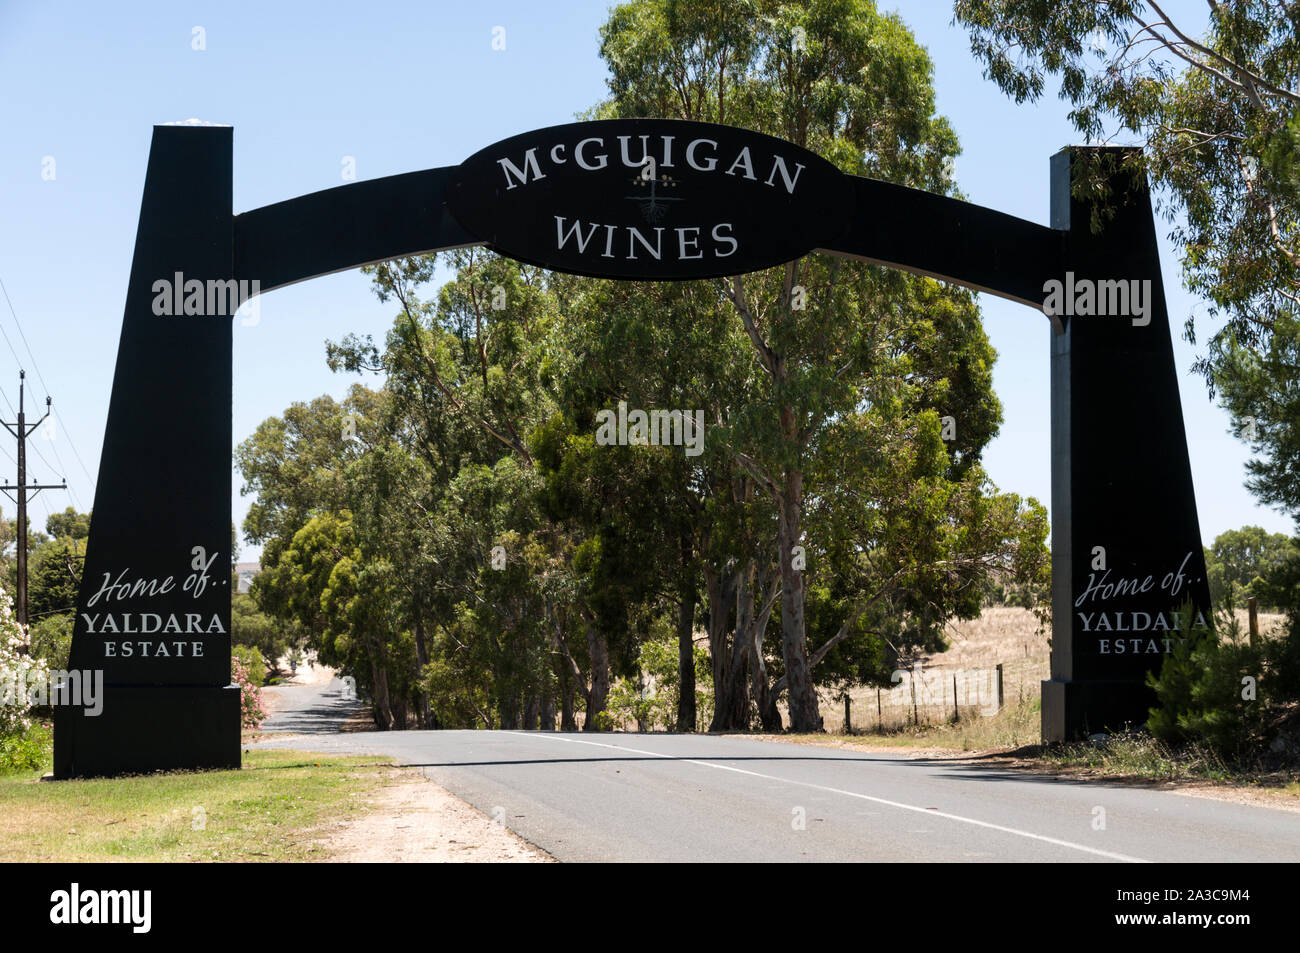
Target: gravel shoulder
413	820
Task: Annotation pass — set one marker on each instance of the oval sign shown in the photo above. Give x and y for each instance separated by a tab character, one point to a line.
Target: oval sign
656	199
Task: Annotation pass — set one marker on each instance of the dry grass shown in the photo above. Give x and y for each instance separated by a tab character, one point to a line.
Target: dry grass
1001	635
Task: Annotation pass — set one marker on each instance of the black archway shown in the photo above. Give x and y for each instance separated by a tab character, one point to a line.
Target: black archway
1126	549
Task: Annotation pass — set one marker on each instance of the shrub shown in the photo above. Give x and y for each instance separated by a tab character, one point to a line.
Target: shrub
252	709
17	672
1211	690
27	750
653	703
254	663
51	639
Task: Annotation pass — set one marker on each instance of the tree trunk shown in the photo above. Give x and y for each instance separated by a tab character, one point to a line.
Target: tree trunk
546	715
804	715
686	652
568	691
508	711
397	705
736	717
379	700
764	697
597	695
532	711
721	588
423	715
568	720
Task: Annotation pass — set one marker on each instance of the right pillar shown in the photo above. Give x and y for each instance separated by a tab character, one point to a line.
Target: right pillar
1128	570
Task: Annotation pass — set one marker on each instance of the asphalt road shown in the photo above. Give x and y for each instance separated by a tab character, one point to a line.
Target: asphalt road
627	797
313	708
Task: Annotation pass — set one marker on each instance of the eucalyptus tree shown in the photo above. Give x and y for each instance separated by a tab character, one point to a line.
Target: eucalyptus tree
650	512
471	372
828	338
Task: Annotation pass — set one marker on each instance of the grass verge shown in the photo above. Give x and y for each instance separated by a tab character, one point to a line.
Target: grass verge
268	811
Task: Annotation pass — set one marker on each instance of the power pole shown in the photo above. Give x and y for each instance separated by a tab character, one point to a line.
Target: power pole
20	430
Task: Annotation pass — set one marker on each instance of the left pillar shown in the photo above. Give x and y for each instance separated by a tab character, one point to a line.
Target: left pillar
153	614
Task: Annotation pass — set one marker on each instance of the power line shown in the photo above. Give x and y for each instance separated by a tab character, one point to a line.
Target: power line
18	324
72	444
5	334
54	447
21	431
41	377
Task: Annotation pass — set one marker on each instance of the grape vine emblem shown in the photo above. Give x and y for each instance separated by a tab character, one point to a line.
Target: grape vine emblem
652	200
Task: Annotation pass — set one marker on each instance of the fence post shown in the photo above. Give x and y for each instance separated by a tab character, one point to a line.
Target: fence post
999	686
880	717
915	720
1252	604
956	715
848	717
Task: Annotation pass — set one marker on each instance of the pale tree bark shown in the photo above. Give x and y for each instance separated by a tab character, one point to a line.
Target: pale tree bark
598	692
733	710
804	715
788	495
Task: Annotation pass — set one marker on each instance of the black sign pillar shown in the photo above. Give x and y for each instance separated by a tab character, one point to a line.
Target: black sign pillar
153	613
1127	560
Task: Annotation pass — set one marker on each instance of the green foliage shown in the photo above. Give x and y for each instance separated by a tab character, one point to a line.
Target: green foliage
51	639
253	662
68	525
1219	691
250	626
54	576
649	699
1259	385
1200	692
29	749
1242	560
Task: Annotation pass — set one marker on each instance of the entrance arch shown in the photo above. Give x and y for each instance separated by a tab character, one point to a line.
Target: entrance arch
154	608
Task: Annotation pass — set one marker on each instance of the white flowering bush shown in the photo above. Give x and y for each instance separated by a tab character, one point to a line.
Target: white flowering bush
18	673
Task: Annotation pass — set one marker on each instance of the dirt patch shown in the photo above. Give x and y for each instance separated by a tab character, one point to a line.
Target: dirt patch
413	820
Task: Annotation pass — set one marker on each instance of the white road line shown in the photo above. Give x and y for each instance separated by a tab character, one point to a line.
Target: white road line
1124	858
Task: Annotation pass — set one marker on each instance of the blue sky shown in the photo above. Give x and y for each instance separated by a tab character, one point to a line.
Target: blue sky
400	87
